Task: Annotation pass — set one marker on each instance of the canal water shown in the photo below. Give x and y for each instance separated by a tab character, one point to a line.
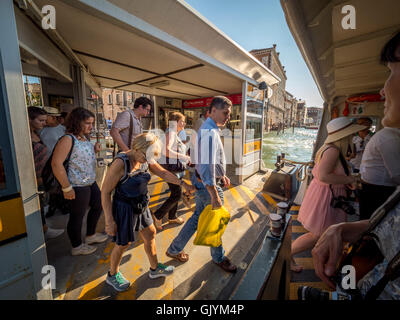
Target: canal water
297	146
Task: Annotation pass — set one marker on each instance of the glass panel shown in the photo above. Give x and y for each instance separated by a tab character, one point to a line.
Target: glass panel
253	128
254	107
2	174
235	119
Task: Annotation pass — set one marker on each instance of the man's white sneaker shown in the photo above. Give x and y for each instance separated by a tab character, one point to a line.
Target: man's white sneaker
53	233
83	249
96	238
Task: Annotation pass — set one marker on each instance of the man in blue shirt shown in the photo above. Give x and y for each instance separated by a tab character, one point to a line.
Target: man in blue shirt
209	177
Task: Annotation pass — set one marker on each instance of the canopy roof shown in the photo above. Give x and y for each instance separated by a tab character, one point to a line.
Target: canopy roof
343	62
158	47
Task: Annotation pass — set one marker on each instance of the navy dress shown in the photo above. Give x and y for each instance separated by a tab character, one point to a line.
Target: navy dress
130	186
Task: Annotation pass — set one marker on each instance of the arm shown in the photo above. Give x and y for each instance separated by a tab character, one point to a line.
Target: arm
60	153
114	174
329	248
170	152
328	163
114	132
121	122
156	169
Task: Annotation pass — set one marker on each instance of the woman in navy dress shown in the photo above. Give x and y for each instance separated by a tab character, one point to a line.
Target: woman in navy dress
129	176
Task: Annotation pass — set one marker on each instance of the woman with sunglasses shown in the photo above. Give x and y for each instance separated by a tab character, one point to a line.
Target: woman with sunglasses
173	159
129	176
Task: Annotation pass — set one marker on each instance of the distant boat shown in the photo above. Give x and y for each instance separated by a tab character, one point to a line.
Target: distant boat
311	127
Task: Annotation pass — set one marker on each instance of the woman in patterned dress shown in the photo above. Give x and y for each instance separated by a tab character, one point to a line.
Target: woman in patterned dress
79	183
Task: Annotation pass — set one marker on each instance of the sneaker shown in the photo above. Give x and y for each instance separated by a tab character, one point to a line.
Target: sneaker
83	249
161	271
176	220
53	233
96	238
117	281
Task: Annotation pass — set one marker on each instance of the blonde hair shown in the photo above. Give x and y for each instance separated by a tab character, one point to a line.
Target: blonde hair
342	145
148	143
175	116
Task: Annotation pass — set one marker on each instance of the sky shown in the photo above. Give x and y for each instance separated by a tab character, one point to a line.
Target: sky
258	24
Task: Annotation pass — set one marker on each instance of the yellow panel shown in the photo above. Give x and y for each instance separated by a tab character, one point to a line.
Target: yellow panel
12	219
252	146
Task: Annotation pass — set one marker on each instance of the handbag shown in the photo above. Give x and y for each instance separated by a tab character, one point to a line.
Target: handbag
211	226
50	182
341	201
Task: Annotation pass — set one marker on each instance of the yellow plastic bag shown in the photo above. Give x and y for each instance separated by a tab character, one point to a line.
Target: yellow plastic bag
211	226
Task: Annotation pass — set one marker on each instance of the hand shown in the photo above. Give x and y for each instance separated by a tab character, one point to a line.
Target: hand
351	186
327	253
97	147
70	195
216	203
189	188
226	181
111	228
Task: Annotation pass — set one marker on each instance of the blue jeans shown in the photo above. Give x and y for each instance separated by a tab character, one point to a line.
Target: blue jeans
202	198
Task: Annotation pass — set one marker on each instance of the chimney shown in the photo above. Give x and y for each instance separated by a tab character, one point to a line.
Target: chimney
274	45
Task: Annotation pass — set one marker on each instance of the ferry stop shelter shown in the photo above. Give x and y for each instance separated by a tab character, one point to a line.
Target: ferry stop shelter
163	48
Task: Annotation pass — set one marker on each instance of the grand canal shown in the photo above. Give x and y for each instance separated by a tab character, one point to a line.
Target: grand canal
297	146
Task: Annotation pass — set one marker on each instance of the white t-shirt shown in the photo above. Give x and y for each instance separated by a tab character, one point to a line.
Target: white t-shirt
381	159
360	145
50	136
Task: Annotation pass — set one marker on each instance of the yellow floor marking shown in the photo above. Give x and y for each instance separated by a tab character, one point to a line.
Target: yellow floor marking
294	216
157	191
228	206
92	288
298	229
295	285
295	208
238	198
263	209
270	200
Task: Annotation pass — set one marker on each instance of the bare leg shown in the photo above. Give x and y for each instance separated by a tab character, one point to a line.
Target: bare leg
116	257
148	236
302	243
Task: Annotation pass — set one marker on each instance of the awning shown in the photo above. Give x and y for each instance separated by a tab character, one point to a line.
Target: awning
175	54
343	62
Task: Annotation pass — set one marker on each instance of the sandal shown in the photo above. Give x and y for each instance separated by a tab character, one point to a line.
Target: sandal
176	220
181	256
157	223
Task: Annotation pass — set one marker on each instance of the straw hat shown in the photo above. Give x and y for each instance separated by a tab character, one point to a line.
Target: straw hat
52	111
341	127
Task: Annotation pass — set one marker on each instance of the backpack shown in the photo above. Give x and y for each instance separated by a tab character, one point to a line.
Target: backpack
50	182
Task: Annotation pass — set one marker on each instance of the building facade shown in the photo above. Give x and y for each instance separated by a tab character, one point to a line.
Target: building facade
313	116
300	113
275	112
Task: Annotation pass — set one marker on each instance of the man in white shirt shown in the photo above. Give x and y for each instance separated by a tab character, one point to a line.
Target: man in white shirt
360	141
53	130
199	122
